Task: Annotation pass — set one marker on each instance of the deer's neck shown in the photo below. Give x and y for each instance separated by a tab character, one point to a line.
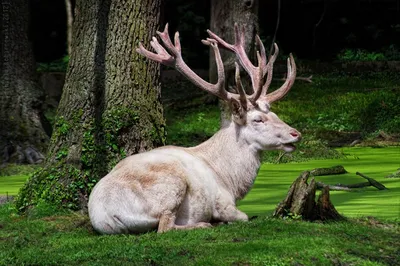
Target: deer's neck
235	161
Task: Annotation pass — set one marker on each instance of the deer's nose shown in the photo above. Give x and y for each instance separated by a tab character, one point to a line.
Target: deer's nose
295	134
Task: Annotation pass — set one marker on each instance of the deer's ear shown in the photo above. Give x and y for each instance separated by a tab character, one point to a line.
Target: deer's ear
238	112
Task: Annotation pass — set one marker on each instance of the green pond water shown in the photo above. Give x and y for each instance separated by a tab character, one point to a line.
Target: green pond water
10	185
274	180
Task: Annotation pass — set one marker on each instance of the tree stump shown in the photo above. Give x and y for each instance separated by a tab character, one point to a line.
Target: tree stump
300	201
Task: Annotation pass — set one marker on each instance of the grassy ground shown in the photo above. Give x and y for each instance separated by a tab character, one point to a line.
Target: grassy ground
68	240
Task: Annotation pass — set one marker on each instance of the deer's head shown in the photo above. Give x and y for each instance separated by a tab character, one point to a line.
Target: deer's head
258	126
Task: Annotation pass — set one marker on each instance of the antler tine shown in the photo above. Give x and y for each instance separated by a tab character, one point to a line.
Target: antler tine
164	36
219	87
239	87
269	69
171	56
238	48
263	60
161	55
291	76
257	90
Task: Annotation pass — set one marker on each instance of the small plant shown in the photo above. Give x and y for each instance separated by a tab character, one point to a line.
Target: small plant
360	55
392	53
381	113
59	65
292	216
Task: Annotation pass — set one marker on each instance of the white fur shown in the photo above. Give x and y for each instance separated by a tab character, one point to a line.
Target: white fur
181	188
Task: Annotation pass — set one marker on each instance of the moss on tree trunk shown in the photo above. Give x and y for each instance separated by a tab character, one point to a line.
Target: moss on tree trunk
110	107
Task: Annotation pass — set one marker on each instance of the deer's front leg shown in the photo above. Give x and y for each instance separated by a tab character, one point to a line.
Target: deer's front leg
230	214
226	211
167	222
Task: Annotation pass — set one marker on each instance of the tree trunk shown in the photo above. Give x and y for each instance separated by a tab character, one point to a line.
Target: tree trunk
22	135
70	19
110	105
224	14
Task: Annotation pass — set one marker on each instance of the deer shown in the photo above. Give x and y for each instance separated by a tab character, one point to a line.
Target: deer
172	188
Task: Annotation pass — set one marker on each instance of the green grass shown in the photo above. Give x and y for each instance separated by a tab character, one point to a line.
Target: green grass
11	184
274	180
68	240
192	126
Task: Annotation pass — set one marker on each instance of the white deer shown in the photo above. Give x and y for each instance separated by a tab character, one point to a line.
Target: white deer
182	188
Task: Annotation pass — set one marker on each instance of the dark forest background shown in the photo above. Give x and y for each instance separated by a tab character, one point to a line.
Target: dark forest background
322	30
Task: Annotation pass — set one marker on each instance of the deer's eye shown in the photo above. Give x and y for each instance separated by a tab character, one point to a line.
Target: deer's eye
258	120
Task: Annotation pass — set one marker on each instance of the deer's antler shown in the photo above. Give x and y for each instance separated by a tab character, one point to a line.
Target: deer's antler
258	72
171	56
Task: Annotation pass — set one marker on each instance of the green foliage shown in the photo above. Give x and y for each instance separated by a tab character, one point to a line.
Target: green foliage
49	186
382	112
190	127
61	127
113	122
45	209
66	185
344	103
59	65
392	52
292	216
360	55
18	169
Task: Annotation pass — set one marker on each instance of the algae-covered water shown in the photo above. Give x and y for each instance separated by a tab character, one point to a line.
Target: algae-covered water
274	180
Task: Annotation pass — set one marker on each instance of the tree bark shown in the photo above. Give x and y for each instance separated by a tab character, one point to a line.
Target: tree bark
224	14
70	19
110	105
22	132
